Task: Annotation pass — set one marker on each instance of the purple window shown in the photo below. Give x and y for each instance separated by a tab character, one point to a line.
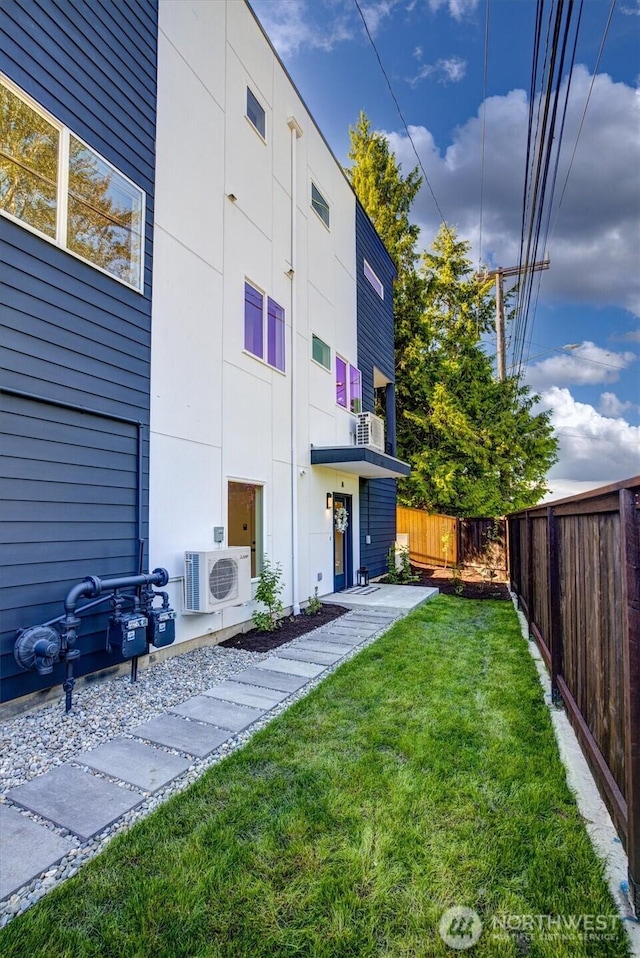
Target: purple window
355	389
253	320
275	335
341	382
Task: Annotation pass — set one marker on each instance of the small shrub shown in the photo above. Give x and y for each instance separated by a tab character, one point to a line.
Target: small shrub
456	579
400	576
268	592
391	577
314	605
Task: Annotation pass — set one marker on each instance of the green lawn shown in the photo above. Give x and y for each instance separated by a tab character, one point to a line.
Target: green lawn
423	774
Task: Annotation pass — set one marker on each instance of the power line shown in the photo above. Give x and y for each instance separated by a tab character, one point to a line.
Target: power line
401	115
484	125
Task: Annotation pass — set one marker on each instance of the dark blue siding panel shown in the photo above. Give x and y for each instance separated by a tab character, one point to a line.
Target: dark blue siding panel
71	334
375	349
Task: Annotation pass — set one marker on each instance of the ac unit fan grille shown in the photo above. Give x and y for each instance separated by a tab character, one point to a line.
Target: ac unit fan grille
223	579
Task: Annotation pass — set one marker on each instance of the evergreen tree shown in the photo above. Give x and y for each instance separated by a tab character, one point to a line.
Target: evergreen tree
474	444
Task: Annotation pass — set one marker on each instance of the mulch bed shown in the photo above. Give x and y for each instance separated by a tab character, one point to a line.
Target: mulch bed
472	586
291	627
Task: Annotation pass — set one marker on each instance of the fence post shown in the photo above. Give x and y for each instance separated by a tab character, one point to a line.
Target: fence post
630	549
555	638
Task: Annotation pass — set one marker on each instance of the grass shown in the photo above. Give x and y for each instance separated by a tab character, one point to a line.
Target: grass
423	774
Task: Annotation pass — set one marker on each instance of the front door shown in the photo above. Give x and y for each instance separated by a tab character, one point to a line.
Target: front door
342	565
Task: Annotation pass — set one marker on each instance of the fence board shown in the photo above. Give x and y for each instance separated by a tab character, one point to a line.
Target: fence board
576	571
426	533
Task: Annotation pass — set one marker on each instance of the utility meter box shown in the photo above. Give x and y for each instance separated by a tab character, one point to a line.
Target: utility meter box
128	632
161	629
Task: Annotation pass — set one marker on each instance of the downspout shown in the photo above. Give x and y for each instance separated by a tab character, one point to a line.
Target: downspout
291	272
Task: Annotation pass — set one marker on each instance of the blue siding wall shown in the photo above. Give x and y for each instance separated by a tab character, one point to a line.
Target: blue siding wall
73	336
375	348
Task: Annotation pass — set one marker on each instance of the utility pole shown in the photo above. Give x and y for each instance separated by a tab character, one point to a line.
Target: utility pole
499	274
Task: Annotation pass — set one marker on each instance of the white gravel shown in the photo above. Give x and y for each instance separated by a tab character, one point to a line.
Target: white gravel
33	743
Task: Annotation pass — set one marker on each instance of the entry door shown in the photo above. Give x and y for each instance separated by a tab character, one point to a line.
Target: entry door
342	565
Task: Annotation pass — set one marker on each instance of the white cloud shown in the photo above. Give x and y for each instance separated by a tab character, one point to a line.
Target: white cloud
376	13
587	365
610	405
289	24
594	247
592	447
631	337
459	9
449	70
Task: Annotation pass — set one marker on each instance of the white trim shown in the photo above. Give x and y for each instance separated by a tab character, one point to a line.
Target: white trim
374	279
62	191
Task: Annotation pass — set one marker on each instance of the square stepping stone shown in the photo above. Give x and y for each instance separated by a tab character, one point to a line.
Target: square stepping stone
204	708
243	694
271	680
279	663
28	849
349	638
75	799
319	645
315	655
195	738
141	765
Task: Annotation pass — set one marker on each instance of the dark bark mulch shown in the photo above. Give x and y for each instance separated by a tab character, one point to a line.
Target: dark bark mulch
472	586
291	627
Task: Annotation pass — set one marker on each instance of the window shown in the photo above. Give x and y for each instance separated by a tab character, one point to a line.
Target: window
341	382
355	389
373	279
320	205
56	185
320	352
254	320
348	386
244	520
255	114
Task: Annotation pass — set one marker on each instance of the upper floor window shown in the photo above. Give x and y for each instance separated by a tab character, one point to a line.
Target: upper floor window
255	318
56	185
348	386
320	352
255	113
373	279
320	205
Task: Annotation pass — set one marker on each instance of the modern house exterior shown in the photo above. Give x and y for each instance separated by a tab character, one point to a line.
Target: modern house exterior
197	313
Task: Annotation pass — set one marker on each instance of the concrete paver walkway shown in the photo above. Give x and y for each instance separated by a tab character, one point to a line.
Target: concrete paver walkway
74	797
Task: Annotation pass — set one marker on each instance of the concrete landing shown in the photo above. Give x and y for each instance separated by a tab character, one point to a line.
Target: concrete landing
404	598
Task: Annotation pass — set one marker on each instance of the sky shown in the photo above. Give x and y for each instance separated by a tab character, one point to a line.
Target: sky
457	91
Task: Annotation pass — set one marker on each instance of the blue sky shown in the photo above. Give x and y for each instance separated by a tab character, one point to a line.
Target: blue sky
434	54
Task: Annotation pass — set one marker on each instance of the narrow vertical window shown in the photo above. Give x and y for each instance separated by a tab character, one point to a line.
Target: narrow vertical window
275	335
320	352
320	205
374	280
355	390
244	520
255	114
253	320
341	382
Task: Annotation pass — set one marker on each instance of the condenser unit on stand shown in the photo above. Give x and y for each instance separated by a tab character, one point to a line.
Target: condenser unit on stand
217	579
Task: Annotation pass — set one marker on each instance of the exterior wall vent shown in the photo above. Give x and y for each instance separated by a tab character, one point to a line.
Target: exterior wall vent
214	580
370	431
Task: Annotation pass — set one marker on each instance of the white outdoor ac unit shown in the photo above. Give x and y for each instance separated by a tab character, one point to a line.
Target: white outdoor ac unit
370	431
213	580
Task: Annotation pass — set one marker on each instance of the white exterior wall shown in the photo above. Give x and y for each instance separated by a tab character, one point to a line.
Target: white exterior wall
218	413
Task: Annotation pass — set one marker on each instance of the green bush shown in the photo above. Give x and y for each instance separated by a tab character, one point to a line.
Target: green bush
268	592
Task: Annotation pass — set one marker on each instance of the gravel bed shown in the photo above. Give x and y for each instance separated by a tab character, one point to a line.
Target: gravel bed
38	741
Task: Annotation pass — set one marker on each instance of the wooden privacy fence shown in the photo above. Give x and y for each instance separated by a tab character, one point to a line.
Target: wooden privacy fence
465	539
575	568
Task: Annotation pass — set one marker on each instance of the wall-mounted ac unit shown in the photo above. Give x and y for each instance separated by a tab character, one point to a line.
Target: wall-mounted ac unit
213	580
370	431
